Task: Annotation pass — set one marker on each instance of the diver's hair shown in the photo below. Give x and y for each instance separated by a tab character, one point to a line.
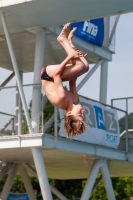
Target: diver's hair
74	126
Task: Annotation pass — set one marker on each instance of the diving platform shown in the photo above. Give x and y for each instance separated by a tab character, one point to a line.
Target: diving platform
43	13
64	158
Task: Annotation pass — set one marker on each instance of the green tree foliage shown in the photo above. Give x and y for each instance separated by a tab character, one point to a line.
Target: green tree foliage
47	113
24	125
122	122
2	182
24	121
123	187
70	188
18	185
99	193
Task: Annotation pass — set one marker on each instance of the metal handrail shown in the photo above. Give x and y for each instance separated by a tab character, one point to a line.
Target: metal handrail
32	84
123	133
110	106
4	127
7	114
126	118
122	98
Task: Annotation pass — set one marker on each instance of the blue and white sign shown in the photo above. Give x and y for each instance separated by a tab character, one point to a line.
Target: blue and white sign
91	30
18	197
103	124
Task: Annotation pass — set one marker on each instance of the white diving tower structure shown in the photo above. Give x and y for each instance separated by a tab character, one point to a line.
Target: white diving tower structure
28	31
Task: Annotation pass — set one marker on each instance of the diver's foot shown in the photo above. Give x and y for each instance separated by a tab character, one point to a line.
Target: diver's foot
64	33
71	34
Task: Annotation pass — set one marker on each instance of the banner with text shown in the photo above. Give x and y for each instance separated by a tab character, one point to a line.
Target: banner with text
103	125
90	30
18	197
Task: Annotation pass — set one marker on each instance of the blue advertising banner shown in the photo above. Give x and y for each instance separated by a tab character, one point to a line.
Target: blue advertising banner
103	124
91	30
18	197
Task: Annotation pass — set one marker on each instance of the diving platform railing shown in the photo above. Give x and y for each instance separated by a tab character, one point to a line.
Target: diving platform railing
127	133
123	133
53	119
9	122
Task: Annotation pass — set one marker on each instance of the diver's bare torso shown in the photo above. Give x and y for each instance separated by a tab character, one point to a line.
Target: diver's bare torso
49	89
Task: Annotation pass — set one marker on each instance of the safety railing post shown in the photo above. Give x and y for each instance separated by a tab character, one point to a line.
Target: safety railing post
55	121
126	122
13	131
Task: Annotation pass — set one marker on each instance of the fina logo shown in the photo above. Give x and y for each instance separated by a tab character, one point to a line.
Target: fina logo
90	28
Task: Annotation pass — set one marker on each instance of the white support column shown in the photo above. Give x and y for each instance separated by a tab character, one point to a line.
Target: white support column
44	100
9	181
5	170
27	183
36	109
19	116
107	180
91	180
106	31
38	64
18	110
103	82
104	65
41	172
89	74
53	189
30	169
58	193
97	183
114	28
15	66
16	119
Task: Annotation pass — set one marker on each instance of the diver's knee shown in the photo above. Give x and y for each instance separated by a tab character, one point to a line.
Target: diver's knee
86	67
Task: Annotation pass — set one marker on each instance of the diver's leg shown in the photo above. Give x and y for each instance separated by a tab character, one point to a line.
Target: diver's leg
70	36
